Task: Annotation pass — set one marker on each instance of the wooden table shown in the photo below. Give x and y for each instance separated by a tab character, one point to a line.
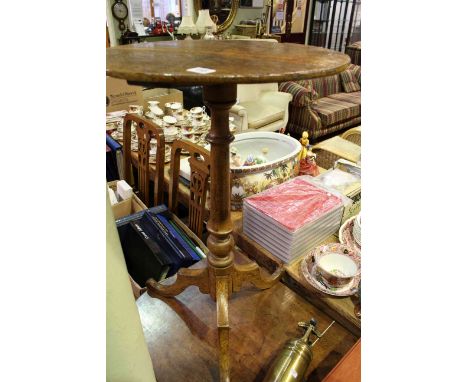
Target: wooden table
181	333
219	66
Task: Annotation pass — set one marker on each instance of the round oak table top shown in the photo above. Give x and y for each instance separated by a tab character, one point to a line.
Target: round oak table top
221	62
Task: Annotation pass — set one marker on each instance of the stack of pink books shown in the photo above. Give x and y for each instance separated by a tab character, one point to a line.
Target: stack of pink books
291	219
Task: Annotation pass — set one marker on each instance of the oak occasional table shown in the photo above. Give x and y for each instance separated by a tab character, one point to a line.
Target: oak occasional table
219	66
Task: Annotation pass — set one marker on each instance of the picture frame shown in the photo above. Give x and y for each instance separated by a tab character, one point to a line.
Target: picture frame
251	4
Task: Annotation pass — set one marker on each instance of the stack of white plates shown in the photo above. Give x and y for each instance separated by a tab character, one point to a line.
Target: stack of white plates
357	229
290	219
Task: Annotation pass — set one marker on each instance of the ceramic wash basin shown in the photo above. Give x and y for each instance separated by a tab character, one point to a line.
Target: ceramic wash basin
280	153
282	163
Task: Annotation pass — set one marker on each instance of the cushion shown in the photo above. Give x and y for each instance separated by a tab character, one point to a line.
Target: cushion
324	86
354	97
356	69
333	111
349	81
259	114
302	96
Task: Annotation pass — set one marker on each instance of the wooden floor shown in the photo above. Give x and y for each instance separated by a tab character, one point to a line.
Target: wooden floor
182	337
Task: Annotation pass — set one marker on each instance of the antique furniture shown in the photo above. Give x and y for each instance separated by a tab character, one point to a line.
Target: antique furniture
223	11
199	161
330	150
354	51
146	131
321	106
261	107
349	367
219	66
353	135
181	333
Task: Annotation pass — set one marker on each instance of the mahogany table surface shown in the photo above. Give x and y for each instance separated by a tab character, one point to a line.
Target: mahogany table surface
233	62
181	333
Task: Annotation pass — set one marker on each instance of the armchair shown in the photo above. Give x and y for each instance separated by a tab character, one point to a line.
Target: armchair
261	107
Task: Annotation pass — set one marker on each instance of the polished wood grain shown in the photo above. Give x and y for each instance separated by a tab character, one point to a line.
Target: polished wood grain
145	130
234	62
182	339
349	367
199	162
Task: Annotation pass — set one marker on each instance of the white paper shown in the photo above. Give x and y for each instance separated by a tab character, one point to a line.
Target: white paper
200	70
257	3
279	16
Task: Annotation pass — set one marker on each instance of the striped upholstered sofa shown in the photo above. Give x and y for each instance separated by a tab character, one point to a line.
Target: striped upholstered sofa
325	105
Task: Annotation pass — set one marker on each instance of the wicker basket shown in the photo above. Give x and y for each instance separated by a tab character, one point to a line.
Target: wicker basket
353	135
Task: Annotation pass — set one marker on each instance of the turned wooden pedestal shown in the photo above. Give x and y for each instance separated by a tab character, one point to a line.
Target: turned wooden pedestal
224	64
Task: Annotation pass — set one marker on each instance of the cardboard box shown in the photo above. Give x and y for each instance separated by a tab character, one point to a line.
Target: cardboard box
128	206
119	95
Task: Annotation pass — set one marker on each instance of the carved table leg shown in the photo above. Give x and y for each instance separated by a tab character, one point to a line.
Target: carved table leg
251	273
185	278
222	296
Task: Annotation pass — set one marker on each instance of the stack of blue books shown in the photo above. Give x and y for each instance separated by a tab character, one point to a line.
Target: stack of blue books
154	245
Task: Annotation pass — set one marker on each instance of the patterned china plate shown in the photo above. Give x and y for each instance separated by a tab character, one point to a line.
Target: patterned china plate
309	270
346	237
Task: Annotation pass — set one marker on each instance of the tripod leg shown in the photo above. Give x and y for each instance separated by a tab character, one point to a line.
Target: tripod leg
222	308
251	272
185	278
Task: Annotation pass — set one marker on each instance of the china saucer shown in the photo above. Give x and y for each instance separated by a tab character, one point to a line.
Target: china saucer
313	278
346	237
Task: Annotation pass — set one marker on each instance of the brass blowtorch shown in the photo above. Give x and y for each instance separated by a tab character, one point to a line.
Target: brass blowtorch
292	362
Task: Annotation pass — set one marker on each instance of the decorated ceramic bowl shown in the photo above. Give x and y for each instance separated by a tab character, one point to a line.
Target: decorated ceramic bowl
266	159
336	269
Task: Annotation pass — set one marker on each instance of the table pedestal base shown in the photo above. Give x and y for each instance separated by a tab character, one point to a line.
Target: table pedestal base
220	284
221	276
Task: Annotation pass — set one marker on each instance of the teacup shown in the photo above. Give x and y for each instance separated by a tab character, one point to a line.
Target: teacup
135	109
169	120
175	106
337	270
153	104
197	110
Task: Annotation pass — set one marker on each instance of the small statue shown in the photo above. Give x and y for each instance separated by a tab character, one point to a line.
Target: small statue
305	143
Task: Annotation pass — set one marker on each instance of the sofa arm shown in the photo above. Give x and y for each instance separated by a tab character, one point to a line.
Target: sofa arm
304	118
240	115
301	96
279	99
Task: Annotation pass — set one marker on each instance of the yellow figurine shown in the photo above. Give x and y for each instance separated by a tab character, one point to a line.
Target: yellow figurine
304	142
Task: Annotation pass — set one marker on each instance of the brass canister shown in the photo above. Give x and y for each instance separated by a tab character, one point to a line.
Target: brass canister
291	363
293	360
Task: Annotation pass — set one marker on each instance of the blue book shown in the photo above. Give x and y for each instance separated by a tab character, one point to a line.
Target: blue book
176	236
181	259
113	144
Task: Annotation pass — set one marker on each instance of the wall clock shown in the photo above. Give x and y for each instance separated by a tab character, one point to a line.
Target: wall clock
120	12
